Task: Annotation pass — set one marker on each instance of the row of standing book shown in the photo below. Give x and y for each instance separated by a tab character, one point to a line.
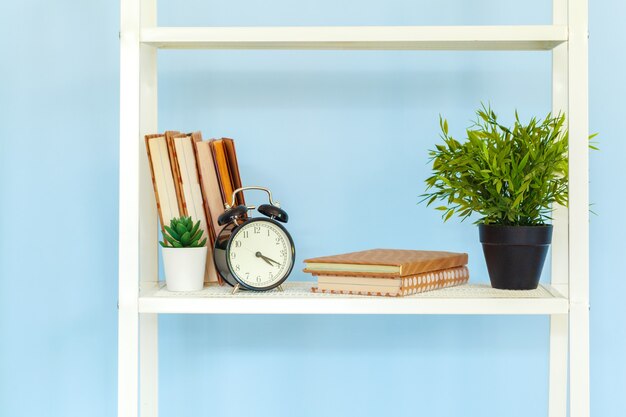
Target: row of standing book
192	177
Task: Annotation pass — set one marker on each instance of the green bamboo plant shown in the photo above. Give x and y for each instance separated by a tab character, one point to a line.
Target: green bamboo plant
508	176
183	233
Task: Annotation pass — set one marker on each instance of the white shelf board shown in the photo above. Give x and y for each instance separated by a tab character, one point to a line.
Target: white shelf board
297	298
358	37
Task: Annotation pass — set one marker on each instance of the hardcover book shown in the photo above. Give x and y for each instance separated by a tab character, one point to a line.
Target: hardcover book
209	183
171	150
233	168
392	287
162	178
187	177
385	263
225	159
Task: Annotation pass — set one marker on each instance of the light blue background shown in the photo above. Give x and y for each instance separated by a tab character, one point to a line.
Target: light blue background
341	139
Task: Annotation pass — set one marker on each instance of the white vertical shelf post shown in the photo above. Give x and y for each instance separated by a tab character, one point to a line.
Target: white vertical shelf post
557	399
560	247
148	223
578	208
138	336
128	273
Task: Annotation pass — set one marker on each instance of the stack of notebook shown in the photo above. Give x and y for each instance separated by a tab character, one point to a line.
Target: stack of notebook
388	272
194	178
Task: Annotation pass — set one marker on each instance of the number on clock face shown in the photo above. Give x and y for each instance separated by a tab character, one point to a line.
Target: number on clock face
260	254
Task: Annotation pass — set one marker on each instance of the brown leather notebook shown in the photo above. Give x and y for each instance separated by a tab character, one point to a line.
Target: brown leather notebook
385	263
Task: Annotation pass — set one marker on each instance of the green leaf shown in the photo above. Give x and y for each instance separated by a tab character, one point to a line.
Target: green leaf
172	232
170	239
522	164
195	228
197	235
185	239
518	200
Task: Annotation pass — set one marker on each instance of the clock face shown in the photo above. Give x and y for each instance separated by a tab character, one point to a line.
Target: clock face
260	254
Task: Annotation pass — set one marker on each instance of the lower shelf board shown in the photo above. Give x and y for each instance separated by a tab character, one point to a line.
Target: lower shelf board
297	298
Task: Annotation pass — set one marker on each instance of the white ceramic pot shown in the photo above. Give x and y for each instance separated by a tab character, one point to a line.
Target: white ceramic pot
184	268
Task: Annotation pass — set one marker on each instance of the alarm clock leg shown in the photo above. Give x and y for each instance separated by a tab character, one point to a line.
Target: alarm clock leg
236	289
280	288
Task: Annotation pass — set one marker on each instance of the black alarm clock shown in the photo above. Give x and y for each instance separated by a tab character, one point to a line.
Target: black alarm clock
254	253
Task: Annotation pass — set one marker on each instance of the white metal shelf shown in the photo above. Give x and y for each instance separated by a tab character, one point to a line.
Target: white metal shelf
359	37
297	298
140	39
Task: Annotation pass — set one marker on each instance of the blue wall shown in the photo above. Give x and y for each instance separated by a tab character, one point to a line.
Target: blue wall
341	138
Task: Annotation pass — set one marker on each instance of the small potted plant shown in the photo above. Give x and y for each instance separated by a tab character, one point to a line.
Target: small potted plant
511	178
184	255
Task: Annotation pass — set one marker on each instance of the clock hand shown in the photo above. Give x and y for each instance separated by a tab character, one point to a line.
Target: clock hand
266	259
270	259
260	255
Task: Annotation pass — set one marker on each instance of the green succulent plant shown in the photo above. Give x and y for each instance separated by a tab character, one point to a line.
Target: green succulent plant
183	233
508	176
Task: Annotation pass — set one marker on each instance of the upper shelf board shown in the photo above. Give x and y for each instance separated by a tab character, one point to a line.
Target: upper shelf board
358	37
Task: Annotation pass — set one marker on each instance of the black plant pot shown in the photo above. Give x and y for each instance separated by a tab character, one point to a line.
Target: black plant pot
515	254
